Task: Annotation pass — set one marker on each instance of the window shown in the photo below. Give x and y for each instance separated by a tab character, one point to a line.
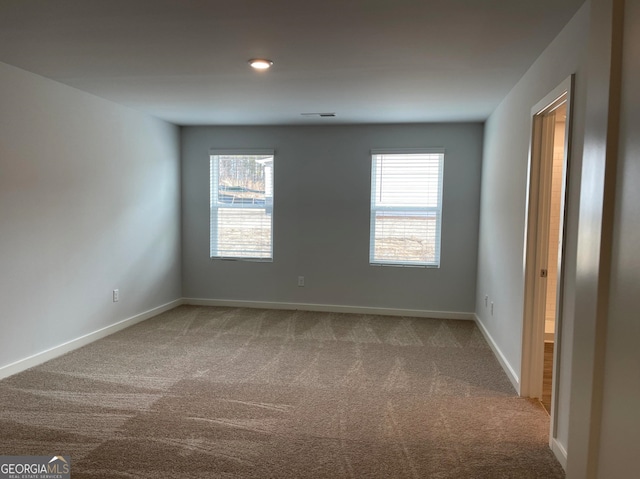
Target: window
241	205
406	207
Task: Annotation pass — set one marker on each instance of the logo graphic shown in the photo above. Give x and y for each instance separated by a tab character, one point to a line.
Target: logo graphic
35	467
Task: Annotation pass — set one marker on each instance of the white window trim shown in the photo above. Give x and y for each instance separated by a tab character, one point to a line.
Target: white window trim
437	210
213	193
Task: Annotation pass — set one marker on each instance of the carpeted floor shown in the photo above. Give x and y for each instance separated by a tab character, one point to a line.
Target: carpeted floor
202	392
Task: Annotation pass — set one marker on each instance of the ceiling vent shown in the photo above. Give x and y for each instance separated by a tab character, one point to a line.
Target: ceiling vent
322	115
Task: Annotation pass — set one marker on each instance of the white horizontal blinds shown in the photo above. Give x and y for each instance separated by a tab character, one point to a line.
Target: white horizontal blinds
241	223
406	208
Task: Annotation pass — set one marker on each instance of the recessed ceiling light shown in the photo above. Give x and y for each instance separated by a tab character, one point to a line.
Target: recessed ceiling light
260	63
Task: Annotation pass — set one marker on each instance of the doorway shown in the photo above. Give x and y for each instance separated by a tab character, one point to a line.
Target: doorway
557	120
544	246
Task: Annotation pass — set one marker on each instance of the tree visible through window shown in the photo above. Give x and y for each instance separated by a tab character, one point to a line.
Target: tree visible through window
241	206
406	208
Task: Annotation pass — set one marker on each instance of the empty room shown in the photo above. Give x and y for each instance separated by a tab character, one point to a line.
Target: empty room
315	239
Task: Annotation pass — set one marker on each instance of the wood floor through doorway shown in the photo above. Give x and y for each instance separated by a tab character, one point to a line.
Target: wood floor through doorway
547	376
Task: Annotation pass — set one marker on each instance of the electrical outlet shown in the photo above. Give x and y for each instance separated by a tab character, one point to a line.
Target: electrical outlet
491	308
116	295
486	301
300	281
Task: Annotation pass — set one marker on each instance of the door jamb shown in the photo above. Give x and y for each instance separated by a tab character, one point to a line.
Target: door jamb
533	329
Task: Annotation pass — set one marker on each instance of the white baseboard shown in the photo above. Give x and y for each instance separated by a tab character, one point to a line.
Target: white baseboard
37	359
559	451
330	308
511	374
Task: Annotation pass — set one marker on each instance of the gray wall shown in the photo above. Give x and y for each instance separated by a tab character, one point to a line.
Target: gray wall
504	202
89	202
321	218
620	423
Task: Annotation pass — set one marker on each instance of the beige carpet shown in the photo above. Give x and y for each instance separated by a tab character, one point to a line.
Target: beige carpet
203	392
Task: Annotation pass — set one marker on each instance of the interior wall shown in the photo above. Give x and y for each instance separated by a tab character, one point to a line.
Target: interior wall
554	222
620	423
89	202
596	213
321	218
503	203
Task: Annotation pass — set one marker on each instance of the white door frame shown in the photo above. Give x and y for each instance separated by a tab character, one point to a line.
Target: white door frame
535	253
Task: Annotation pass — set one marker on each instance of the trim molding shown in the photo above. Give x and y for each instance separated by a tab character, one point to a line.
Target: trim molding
332	308
559	451
44	356
511	374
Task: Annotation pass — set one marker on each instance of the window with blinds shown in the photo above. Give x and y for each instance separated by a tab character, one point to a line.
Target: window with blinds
406	207
241	205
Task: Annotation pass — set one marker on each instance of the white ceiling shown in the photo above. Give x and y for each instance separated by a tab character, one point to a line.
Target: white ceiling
369	61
